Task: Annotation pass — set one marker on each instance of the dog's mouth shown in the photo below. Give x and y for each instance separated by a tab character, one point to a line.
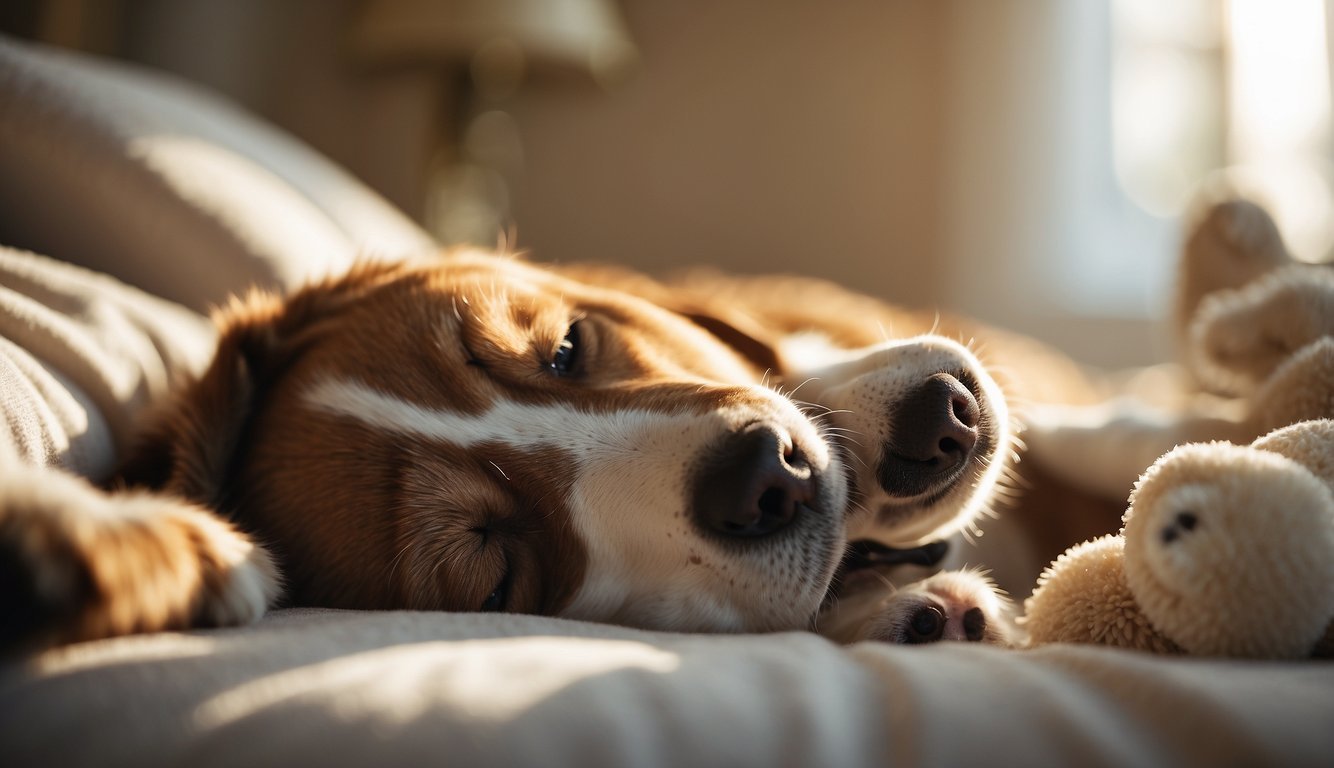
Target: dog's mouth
866	555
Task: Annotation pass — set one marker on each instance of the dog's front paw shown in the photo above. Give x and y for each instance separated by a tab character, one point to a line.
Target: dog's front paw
80	564
961	606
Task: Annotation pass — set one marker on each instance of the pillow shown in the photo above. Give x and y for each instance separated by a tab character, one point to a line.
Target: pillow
169	189
156	184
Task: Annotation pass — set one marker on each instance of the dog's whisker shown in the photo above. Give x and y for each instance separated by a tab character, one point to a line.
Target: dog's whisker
844	439
823	408
885	580
802	384
842	431
935	324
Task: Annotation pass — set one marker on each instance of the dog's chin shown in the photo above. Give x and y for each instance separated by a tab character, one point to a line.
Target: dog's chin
909	525
911	514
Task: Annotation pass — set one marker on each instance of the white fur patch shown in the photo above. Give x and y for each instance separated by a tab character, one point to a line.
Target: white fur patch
588	435
648	565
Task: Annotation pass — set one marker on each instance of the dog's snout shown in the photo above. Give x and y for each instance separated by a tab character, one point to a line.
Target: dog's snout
935	429
756	487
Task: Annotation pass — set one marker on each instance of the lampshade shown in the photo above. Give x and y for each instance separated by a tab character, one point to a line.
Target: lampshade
584	36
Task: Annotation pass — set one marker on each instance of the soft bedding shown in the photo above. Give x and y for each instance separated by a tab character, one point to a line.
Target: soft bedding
351	688
82	353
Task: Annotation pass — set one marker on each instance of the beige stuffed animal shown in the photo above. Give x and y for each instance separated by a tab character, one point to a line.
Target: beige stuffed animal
1243	305
1226	551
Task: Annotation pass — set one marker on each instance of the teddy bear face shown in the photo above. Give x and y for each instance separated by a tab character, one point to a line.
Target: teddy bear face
1227	551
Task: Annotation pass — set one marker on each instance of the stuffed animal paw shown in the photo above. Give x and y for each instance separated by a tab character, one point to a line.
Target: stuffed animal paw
1240	337
1232	241
1226	550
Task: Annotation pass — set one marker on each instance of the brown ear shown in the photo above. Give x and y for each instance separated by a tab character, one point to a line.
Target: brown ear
191	443
737	331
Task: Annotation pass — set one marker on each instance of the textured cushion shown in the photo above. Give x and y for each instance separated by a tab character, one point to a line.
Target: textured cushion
169	189
81	356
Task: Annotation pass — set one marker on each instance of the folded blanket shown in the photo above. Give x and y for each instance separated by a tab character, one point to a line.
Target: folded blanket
81	356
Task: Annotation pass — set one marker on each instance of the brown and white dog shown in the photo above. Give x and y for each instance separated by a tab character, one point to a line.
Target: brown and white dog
478	433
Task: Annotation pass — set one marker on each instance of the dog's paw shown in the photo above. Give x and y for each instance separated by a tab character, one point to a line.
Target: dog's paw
963	606
79	564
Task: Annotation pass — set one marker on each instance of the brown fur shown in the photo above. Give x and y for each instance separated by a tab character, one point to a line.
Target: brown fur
355	517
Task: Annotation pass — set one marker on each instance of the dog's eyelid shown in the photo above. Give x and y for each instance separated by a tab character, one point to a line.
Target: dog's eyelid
568	359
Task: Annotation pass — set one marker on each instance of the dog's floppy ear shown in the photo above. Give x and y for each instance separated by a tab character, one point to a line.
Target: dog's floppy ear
191	443
736	330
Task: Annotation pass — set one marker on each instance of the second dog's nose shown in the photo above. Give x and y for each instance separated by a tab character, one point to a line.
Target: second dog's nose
754	484
934	432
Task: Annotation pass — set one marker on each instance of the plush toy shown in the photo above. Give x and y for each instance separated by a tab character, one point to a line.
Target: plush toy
1243	306
1226	550
1231	242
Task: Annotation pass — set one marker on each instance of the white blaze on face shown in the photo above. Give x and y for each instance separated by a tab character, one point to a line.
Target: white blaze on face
648	565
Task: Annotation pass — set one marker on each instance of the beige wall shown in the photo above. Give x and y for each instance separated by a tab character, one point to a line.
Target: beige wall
756	135
941	153
944	153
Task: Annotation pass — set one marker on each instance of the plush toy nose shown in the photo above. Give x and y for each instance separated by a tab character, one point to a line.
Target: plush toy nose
1181	525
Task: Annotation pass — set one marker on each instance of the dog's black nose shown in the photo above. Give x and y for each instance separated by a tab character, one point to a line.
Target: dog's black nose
753	484
934	432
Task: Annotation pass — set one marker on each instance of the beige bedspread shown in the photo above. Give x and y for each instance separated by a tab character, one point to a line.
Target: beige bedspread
349	688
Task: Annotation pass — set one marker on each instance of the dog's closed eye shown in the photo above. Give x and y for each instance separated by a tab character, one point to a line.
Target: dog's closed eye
499	597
